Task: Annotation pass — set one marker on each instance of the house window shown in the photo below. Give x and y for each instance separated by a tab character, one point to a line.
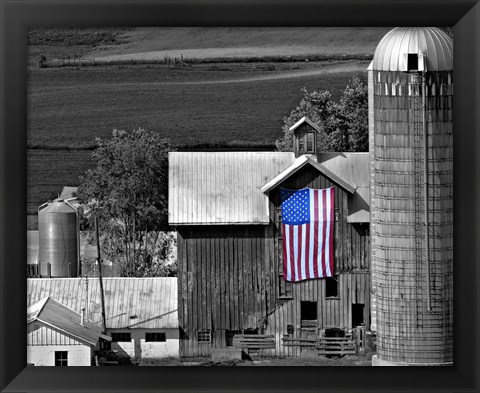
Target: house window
155	337
121	337
331	287
61	358
204	336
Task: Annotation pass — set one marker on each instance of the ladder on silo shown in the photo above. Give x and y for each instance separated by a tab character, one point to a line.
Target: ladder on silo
418	157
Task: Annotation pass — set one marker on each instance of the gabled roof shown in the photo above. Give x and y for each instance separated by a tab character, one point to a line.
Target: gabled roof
353	168
299	163
64	320
215	188
304	119
149	303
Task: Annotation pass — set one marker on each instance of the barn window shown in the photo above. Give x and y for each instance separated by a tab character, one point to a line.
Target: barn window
310	139
121	337
357	314
61	358
155	337
229	334
204	336
284	287
331	287
290	330
308	311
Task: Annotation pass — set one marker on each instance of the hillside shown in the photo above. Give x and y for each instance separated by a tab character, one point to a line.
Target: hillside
246	42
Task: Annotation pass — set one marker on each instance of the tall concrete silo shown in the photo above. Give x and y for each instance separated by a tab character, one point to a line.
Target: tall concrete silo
58	231
412	196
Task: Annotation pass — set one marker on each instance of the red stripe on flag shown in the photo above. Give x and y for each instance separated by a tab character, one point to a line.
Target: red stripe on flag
300	249
324	232
308	257
292	254
315	236
284	248
332	223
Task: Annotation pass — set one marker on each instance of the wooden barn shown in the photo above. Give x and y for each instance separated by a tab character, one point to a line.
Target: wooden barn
226	209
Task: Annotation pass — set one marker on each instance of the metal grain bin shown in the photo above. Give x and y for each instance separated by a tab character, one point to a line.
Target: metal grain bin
412	196
58	253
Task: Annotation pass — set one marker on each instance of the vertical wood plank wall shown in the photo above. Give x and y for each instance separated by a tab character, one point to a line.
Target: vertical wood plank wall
228	278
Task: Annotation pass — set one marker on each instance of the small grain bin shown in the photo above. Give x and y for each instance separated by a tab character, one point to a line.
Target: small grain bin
58	254
412	196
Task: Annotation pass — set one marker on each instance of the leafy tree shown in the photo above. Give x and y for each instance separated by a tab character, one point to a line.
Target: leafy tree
127	191
343	124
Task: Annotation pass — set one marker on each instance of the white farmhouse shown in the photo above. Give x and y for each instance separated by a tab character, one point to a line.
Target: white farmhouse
141	313
59	336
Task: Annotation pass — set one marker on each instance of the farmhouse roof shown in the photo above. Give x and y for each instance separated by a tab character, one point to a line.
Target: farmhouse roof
64	320
299	163
221	187
149	303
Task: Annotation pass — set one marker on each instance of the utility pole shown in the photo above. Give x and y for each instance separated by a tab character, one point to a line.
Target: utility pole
99	260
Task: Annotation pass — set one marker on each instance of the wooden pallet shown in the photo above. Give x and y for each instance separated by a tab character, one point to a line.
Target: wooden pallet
336	346
253	341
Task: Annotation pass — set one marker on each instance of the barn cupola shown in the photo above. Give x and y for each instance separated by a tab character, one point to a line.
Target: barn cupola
305	137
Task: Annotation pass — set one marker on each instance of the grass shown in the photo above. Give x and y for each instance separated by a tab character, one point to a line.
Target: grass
257	41
363	361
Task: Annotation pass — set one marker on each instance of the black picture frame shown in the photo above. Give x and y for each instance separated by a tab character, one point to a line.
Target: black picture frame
16	16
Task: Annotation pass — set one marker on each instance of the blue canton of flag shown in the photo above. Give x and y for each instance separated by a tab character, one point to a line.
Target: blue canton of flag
308	233
295	206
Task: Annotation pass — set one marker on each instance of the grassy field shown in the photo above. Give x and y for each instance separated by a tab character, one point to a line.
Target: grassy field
201	42
204	106
349	361
229	105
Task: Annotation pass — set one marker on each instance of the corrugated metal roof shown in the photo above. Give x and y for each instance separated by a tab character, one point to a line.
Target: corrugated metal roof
149	303
299	163
63	319
221	187
433	43
354	168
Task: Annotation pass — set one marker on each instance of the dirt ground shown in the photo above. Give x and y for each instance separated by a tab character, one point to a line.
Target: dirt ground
362	361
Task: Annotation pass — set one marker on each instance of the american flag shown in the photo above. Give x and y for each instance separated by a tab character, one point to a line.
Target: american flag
307	227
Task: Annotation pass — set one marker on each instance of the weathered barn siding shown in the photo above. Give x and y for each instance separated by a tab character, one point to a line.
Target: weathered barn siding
229	277
224	282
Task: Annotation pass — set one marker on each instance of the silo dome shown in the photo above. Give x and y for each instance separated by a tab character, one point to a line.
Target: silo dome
433	47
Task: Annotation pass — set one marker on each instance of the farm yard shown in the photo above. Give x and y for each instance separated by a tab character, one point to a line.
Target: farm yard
207	105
